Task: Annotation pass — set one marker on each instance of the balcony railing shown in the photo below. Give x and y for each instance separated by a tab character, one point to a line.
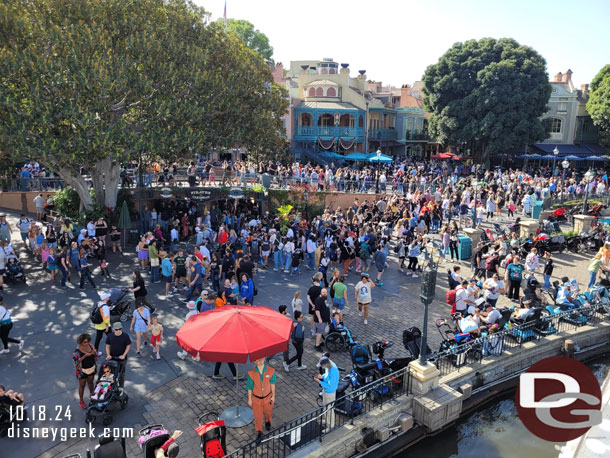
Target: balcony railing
382	134
329	131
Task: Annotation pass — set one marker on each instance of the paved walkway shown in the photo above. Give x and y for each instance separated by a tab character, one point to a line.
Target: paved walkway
175	392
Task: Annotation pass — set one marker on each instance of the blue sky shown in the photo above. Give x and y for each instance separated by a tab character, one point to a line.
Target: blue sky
395	40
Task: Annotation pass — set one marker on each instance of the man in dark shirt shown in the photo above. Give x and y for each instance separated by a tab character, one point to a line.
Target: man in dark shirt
228	266
312	295
118	344
321	317
477	260
246	267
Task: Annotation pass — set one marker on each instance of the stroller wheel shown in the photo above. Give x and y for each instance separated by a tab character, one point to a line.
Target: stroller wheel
320	401
89	418
124	402
107	420
124	317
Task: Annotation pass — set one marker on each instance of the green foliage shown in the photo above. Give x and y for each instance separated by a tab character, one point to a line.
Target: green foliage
252	38
598	105
67	203
91	83
487	95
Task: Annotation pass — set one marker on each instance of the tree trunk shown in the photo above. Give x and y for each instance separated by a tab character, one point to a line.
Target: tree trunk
98	184
79	184
108	174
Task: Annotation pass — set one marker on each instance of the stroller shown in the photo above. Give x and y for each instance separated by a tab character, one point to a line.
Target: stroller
108	447
151	437
120	309
453	339
411	339
114	394
14	271
213	436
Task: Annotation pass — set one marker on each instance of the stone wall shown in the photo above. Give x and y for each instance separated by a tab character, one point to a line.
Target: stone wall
334	200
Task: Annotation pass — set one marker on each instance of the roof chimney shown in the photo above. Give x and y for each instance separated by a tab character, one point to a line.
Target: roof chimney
558	77
567	76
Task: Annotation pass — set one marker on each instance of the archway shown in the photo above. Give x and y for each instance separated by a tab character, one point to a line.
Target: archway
327	120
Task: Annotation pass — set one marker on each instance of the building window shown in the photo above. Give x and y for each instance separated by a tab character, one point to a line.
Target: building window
562	107
360	121
306	119
556	125
312	92
346	120
331	92
326	120
319	92
332	71
324	71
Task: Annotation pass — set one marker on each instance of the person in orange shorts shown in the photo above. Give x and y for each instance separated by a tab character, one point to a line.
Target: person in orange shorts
261	394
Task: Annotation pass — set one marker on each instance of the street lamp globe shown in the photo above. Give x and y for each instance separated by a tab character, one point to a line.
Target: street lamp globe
378	153
565	164
555	151
588	176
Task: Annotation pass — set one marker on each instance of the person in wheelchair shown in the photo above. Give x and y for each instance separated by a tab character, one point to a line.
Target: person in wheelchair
533	293
336	325
565	296
521	314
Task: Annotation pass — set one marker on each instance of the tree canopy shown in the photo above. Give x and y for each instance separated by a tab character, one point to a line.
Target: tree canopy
598	105
487	95
91	83
252	38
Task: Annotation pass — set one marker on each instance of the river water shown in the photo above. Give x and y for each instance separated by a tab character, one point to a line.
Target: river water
494	431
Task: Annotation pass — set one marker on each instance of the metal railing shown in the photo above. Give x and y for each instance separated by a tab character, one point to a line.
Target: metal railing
474	351
331	131
316	424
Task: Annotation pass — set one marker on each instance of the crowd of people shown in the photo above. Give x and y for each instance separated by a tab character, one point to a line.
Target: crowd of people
214	255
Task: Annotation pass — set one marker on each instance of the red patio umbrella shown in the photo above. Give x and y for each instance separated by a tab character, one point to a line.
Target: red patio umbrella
234	334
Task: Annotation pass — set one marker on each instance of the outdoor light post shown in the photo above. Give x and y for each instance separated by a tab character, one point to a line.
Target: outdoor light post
474	211
428	286
378	153
306	196
588	177
565	164
555	154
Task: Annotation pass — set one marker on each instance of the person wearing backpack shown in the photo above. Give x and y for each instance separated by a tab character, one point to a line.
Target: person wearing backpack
514	272
297	337
100	318
365	255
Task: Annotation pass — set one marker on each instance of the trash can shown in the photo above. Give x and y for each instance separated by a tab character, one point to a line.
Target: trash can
537	210
266	180
464	247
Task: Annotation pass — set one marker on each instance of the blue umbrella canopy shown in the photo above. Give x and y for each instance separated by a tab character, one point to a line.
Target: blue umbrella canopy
356	157
382	158
595	158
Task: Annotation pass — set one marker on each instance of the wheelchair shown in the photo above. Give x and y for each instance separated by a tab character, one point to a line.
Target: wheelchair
339	338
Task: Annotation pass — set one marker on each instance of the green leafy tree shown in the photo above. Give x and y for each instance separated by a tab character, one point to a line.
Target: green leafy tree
252	38
598	105
487	95
85	85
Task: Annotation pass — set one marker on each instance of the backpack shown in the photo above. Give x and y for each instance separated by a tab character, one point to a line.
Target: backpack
96	315
297	333
364	251
360	354
450	299
515	272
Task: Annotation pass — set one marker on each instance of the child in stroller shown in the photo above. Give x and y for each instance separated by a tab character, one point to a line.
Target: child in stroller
104	384
102	399
14	271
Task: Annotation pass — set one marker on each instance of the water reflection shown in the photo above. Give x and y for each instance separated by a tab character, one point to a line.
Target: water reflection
493	432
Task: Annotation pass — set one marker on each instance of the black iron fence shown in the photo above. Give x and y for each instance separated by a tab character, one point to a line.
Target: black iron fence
314	425
473	351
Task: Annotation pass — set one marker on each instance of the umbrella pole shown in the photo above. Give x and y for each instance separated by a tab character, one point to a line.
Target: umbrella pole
237	389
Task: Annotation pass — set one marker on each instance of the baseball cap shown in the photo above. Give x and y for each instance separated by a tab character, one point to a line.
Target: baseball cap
118	325
104	295
323	360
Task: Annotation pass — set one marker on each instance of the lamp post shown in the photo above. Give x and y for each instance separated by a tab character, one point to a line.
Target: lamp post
474	211
378	153
428	287
555	154
306	196
588	177
566	165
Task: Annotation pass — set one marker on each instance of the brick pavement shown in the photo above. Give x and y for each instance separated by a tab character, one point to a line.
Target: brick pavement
192	392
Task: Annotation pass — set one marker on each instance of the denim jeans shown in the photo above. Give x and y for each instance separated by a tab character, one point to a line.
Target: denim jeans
196	286
311	260
154	274
277	259
64	276
547	281
592	278
288	261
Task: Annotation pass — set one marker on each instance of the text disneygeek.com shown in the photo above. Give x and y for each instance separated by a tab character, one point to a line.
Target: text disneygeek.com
64	433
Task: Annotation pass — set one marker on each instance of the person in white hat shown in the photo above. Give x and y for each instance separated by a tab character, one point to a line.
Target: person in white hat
103	327
192	311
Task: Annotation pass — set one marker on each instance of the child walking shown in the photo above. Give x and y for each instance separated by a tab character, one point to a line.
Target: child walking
101	257
156	335
51	263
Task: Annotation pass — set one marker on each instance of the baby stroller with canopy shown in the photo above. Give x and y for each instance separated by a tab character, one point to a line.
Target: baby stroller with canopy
213	436
151	437
411	339
120	309
14	272
114	394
